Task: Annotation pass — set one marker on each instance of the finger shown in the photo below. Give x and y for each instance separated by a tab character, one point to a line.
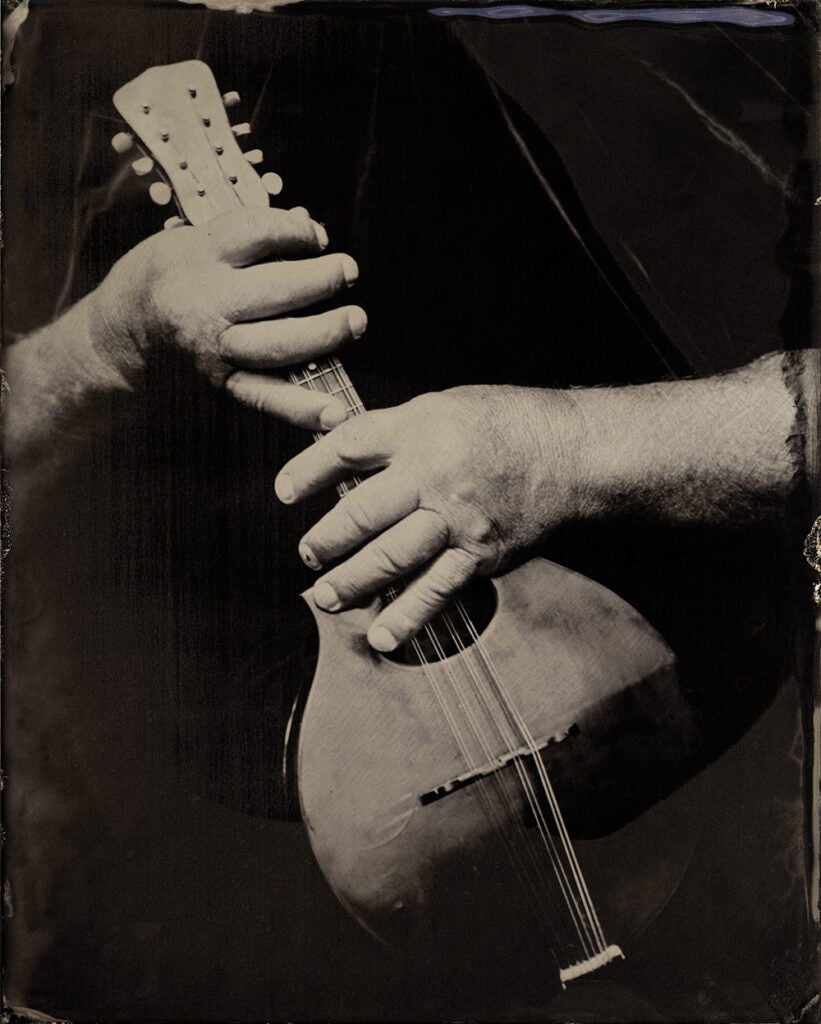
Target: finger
265	344
312	410
366	510
270	289
423	599
319	229
363	442
241	237
406	546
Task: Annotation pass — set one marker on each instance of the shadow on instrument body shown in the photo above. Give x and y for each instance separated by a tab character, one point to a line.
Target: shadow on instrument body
425	819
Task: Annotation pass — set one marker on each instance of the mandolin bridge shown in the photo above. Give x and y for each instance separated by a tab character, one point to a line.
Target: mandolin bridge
491	767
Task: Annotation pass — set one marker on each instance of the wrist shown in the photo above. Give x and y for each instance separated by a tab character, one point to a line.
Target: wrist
116	327
556	448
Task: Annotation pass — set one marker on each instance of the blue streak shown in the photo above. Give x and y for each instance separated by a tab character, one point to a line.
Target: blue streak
745	16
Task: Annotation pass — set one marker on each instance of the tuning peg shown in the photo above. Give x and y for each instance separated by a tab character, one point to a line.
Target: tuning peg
272	182
174	222
145	165
230	99
254	156
241	129
122	142
160	193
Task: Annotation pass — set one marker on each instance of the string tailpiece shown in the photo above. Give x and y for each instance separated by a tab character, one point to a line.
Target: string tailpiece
592	963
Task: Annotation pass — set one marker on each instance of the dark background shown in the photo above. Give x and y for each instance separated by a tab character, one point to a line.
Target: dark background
155	639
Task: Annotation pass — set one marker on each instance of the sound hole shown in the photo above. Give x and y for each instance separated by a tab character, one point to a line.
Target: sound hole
453	629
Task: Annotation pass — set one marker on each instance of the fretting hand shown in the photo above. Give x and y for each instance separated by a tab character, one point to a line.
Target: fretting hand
224	293
467	478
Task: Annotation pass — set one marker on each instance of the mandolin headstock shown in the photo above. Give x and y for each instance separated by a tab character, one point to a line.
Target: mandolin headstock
178	114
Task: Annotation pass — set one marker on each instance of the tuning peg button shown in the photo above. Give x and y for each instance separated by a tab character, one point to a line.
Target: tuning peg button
122	142
145	165
273	183
173	222
230	99
243	128
160	193
254	156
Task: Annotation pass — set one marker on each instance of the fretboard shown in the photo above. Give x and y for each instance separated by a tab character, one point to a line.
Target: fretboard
330	377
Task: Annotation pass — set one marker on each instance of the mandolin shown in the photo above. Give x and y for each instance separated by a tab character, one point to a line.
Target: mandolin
469	796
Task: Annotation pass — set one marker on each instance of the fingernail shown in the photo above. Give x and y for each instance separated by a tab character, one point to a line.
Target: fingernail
321	235
332	415
381	640
326	597
350	270
284	488
308	557
357	321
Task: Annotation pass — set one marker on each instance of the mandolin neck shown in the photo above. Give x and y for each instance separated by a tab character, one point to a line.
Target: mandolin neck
330	377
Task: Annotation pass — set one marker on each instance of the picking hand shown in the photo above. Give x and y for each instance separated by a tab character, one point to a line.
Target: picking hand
467	479
204	290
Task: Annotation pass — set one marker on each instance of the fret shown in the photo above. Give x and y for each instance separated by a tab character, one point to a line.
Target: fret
329	378
307	377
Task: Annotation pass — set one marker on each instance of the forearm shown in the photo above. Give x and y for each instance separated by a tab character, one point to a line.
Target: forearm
61	382
732	448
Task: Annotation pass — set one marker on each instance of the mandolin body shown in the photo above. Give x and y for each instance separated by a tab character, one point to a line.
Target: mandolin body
423	837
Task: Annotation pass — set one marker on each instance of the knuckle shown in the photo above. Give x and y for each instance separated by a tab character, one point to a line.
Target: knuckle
437	525
355	513
464	561
430	597
230	342
425	405
354	437
481	533
387	562
478	551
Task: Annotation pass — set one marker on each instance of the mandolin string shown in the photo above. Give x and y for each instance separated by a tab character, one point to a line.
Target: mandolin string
509	707
492	814
513	854
507	704
502	781
509	739
548	788
355	405
499	780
